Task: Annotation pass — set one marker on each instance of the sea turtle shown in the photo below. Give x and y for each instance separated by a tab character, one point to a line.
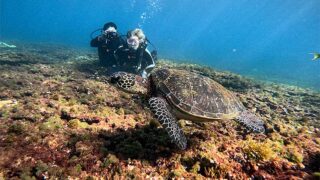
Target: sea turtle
181	94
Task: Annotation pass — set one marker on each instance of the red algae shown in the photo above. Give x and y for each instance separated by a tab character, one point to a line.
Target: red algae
62	119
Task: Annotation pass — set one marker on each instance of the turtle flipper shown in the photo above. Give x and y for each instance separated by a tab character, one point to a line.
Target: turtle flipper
251	121
159	107
123	80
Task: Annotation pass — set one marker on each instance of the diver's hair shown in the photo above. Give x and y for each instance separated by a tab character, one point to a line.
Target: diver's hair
109	24
139	33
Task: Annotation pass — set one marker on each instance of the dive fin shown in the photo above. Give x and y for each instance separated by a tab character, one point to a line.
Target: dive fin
315	56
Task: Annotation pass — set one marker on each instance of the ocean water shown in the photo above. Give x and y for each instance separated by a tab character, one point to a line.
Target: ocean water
264	39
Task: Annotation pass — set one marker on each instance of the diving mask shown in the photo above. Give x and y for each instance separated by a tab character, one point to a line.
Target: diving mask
133	42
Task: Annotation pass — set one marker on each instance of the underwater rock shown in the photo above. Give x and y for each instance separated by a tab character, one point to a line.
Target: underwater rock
27	93
92	119
66	115
60	119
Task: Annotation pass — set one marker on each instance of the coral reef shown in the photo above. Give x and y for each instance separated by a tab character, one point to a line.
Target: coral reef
60	118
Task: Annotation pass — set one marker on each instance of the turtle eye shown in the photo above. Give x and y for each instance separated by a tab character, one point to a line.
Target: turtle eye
114	79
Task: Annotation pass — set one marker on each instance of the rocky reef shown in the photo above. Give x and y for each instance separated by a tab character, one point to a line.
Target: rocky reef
60	118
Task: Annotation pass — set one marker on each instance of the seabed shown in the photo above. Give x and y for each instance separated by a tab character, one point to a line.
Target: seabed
60	118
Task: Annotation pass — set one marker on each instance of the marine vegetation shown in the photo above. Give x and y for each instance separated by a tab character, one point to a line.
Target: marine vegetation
60	118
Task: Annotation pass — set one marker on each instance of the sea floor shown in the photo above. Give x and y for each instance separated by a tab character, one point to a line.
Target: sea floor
60	118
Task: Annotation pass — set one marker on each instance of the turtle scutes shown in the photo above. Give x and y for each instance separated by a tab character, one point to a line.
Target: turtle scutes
198	97
180	94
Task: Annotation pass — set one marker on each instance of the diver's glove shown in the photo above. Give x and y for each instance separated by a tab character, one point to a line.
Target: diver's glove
111	35
102	37
154	54
144	74
143	45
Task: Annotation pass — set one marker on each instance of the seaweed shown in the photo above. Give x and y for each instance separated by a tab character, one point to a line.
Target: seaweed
61	119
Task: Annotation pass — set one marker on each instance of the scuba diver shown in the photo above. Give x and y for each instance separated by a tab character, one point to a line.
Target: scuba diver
107	43
133	56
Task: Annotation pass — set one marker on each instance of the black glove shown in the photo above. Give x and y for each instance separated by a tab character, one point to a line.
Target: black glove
154	54
143	45
112	35
102	37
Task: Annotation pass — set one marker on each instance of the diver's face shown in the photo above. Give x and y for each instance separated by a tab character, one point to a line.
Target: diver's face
110	30
133	42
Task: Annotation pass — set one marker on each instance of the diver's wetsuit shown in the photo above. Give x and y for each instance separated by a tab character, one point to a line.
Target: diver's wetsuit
138	61
106	47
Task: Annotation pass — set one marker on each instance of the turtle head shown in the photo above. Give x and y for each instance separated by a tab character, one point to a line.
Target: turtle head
157	75
123	80
160	74
129	82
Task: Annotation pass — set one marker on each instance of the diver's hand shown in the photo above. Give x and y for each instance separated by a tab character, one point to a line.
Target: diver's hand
101	38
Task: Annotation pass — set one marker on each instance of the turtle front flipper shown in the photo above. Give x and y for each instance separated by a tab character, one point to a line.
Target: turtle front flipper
251	122
159	107
123	80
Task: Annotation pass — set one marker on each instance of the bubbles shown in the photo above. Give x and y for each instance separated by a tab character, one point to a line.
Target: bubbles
143	16
152	7
133	3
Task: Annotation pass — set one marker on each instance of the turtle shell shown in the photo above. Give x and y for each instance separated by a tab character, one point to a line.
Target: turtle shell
195	97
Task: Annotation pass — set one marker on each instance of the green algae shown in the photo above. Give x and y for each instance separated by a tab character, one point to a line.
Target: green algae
196	167
41	168
17	128
110	160
261	151
205	165
293	154
316	175
52	124
145	142
130	148
27	176
75	170
76	123
120	111
5	112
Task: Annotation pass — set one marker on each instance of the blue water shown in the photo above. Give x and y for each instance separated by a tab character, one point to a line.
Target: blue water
266	39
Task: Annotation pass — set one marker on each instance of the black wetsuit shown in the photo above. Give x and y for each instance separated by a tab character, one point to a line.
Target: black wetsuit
106	47
134	61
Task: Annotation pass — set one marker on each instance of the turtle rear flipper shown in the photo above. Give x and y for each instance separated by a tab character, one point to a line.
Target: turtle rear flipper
251	122
159	107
